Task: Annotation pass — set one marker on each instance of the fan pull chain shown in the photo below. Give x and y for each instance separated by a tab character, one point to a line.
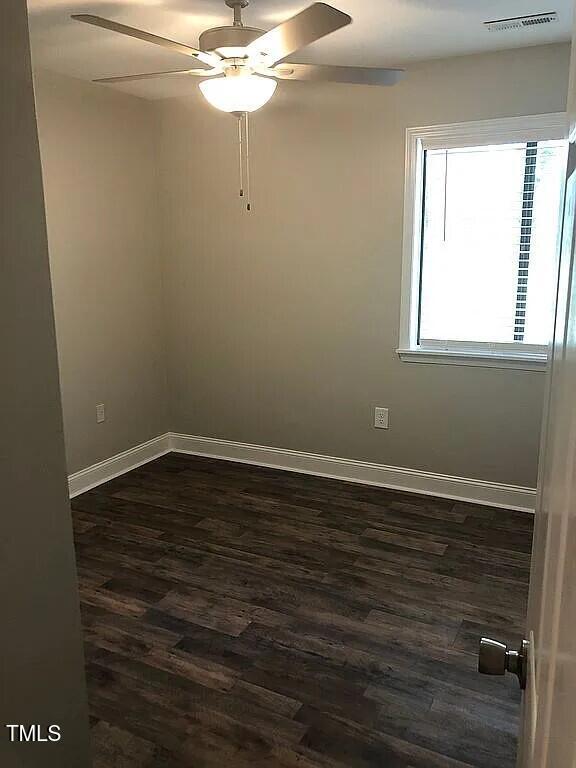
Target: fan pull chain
247	140
240	155
244	157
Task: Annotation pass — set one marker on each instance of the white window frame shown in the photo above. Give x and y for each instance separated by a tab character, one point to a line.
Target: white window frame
471	134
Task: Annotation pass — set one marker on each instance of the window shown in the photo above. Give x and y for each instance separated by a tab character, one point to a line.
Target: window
483	206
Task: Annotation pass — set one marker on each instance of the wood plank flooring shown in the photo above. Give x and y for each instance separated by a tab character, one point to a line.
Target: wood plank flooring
240	616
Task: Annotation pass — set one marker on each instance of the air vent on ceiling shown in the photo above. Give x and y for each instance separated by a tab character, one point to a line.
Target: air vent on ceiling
518	22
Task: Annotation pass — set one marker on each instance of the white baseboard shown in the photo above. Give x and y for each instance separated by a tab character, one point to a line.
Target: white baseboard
396	478
123	462
368	473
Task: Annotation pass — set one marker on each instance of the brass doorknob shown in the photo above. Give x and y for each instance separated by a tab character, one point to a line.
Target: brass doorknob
495	658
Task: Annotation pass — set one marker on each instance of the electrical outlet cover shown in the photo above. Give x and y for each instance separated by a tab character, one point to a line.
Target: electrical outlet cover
381	418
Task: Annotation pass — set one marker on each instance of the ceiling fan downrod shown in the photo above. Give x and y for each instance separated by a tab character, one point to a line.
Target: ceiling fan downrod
237	6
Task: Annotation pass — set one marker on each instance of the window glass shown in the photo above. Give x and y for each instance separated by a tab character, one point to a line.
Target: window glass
489	242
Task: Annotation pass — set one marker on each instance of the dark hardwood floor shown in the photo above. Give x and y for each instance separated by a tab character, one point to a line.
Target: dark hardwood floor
237	616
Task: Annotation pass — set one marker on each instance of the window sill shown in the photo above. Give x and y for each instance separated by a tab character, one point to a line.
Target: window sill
528	362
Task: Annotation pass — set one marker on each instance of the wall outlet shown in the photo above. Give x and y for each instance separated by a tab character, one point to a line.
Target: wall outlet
381	420
100	413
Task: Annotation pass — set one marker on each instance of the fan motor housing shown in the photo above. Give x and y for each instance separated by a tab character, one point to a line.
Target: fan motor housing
228	37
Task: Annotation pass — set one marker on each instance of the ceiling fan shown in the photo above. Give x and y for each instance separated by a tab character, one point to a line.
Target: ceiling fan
244	61
241	64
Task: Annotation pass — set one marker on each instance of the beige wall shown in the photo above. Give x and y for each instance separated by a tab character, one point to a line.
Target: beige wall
280	328
99	160
41	675
283	324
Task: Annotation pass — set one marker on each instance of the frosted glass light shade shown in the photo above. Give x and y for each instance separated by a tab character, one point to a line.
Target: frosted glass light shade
246	93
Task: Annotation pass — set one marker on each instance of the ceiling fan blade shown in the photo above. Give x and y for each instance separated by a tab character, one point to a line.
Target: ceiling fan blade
327	73
210	59
306	27
150	75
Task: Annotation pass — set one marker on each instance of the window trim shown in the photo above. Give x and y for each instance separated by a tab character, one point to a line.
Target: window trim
498	131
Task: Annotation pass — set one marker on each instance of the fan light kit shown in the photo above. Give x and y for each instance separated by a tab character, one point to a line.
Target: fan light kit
242	92
241	63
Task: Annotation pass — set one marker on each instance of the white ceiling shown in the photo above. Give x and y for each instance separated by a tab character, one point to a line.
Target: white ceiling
384	33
